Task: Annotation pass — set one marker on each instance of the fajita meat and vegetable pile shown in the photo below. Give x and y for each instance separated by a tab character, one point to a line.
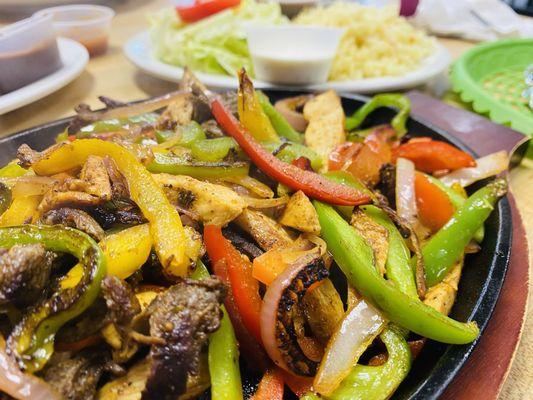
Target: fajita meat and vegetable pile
160	247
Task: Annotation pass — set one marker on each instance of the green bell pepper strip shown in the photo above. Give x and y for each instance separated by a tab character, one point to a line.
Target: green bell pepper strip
163	135
212	150
185	136
191	133
378	383
223	354
457	201
360	135
355	258
196	169
447	246
63	136
13	170
399	101
310	396
293	151
32	340
116	124
398	265
109	125
348	179
296	150
278	121
398	257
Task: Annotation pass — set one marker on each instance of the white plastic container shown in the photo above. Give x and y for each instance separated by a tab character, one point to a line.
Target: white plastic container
292	55
87	24
28	52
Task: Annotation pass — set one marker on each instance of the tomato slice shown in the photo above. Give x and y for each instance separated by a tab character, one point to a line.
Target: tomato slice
343	155
202	9
434	155
364	160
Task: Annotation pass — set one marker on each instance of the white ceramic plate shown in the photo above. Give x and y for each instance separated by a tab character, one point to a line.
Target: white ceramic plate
74	57
139	51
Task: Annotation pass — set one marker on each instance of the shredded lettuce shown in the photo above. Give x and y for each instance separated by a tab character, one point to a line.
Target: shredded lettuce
216	44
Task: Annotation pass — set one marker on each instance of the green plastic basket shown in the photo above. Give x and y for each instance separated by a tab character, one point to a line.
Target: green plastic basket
490	77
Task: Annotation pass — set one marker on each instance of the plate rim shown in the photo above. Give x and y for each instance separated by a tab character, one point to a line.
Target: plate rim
443	371
138	50
74	57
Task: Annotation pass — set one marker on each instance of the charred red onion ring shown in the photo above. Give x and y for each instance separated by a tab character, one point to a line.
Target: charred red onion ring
277	314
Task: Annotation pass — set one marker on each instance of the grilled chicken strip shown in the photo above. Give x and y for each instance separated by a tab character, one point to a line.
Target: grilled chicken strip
213	204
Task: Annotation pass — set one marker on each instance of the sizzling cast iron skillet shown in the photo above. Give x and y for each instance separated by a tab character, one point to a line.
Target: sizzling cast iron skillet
481	280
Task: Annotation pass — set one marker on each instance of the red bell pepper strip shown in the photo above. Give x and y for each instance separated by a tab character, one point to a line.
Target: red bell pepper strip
311	183
271	386
203	9
434	206
298	384
245	288
252	351
79	344
302	163
434	155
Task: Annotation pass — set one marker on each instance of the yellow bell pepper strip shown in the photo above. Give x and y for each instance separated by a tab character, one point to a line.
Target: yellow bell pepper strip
355	258
169	237
260	124
447	246
399	101
125	252
312	184
5	197
32	340
163	163
398	266
278	121
223	354
20	211
251	113
378	382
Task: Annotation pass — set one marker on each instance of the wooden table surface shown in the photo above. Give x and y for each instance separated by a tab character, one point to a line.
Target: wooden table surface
112	75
